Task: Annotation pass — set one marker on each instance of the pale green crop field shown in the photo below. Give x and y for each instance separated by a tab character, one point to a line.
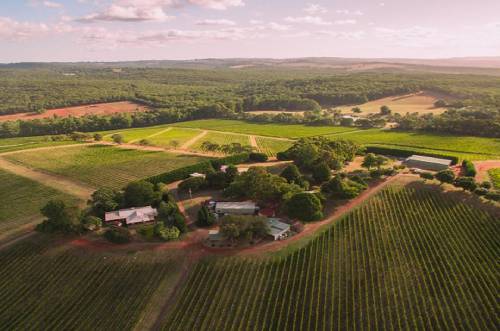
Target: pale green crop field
180	135
103	166
495	177
21	200
221	139
134	135
272	146
21	143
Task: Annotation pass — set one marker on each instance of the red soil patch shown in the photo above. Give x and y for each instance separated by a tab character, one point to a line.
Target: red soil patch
79	111
482	168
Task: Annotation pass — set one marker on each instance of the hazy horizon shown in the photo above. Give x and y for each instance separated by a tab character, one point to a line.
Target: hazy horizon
155	30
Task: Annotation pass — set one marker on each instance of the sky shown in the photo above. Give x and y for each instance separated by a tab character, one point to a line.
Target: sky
124	30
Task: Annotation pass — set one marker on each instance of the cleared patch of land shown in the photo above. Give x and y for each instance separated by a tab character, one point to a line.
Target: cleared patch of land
422	103
52	287
409	258
21	199
103	166
78	111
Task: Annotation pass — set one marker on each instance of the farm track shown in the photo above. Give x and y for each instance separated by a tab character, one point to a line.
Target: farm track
193	140
253	142
60	183
482	168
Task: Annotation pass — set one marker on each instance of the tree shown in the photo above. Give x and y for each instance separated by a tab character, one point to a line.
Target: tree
117	138
427	176
118	235
385	110
369	161
97	137
321	172
104	200
342	188
380	161
193	183
205	217
140	194
257	157
59	218
346	121
217	180
91	223
440	103
145	142
306	207
292	174
174	144
445	176
235	227
467	183
356	110
166	233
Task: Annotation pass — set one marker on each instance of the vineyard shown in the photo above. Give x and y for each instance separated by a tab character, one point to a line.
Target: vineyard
22	199
179	135
16	144
101	165
495	177
222	139
272	146
408	259
61	288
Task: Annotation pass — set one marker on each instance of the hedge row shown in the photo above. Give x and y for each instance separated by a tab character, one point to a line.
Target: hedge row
407	153
201	167
469	168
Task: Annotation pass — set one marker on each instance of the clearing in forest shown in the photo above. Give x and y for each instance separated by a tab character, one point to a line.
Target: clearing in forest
78	111
408	258
421	102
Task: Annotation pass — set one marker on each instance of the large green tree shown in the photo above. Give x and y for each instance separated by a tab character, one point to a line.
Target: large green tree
306	207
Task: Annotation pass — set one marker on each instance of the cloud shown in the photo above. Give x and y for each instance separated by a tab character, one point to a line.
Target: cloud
349	12
345	22
315	20
350	35
52	4
277	26
216	22
12	30
217	4
313	9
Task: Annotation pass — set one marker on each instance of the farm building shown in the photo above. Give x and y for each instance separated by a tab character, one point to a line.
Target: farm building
427	163
197	175
214	236
131	216
277	229
236	208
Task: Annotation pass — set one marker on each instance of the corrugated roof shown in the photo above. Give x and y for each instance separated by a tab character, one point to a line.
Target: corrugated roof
235	205
277	227
429	159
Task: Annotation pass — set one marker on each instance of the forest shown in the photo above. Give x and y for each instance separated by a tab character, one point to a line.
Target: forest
186	94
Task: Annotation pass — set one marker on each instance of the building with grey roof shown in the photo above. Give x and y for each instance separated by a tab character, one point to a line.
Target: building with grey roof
427	163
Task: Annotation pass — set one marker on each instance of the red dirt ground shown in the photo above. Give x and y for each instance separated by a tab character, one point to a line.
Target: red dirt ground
482	168
78	111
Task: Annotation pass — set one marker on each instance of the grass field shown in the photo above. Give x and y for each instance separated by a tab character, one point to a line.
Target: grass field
407	259
495	177
130	135
263	129
22	198
272	146
179	135
17	144
422	103
53	287
101	166
221	139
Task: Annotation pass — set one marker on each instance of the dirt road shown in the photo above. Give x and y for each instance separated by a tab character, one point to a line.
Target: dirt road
482	168
193	140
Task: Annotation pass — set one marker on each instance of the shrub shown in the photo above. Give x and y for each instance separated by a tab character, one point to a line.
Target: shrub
493	195
194	184
282	156
145	142
117	138
140	193
306	207
440	103
469	168
487	185
166	233
97	137
258	157
467	183
481	191
147	231
205	217
91	223
118	235
427	175
342	188
321	172
445	176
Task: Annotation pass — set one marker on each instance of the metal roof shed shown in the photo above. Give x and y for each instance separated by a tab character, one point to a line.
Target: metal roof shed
427	163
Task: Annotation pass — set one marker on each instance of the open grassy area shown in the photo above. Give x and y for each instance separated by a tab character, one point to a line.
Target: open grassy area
101	166
221	139
178	135
130	135
408	259
51	287
22	198
495	177
263	129
16	144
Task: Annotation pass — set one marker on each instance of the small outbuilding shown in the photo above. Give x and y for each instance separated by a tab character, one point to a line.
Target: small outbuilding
427	163
197	175
277	229
236	208
131	216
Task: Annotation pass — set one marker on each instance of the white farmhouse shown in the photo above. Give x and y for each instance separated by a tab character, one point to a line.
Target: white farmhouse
131	216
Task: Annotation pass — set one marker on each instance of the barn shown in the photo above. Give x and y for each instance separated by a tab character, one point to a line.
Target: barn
427	163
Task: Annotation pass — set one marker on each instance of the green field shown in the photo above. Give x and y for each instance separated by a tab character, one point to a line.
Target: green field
264	129
47	287
221	139
16	144
179	135
22	198
101	166
474	148
272	146
131	135
495	177
408	259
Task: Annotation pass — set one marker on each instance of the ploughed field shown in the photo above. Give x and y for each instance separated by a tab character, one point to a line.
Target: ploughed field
407	259
102	166
56	287
78	111
21	200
